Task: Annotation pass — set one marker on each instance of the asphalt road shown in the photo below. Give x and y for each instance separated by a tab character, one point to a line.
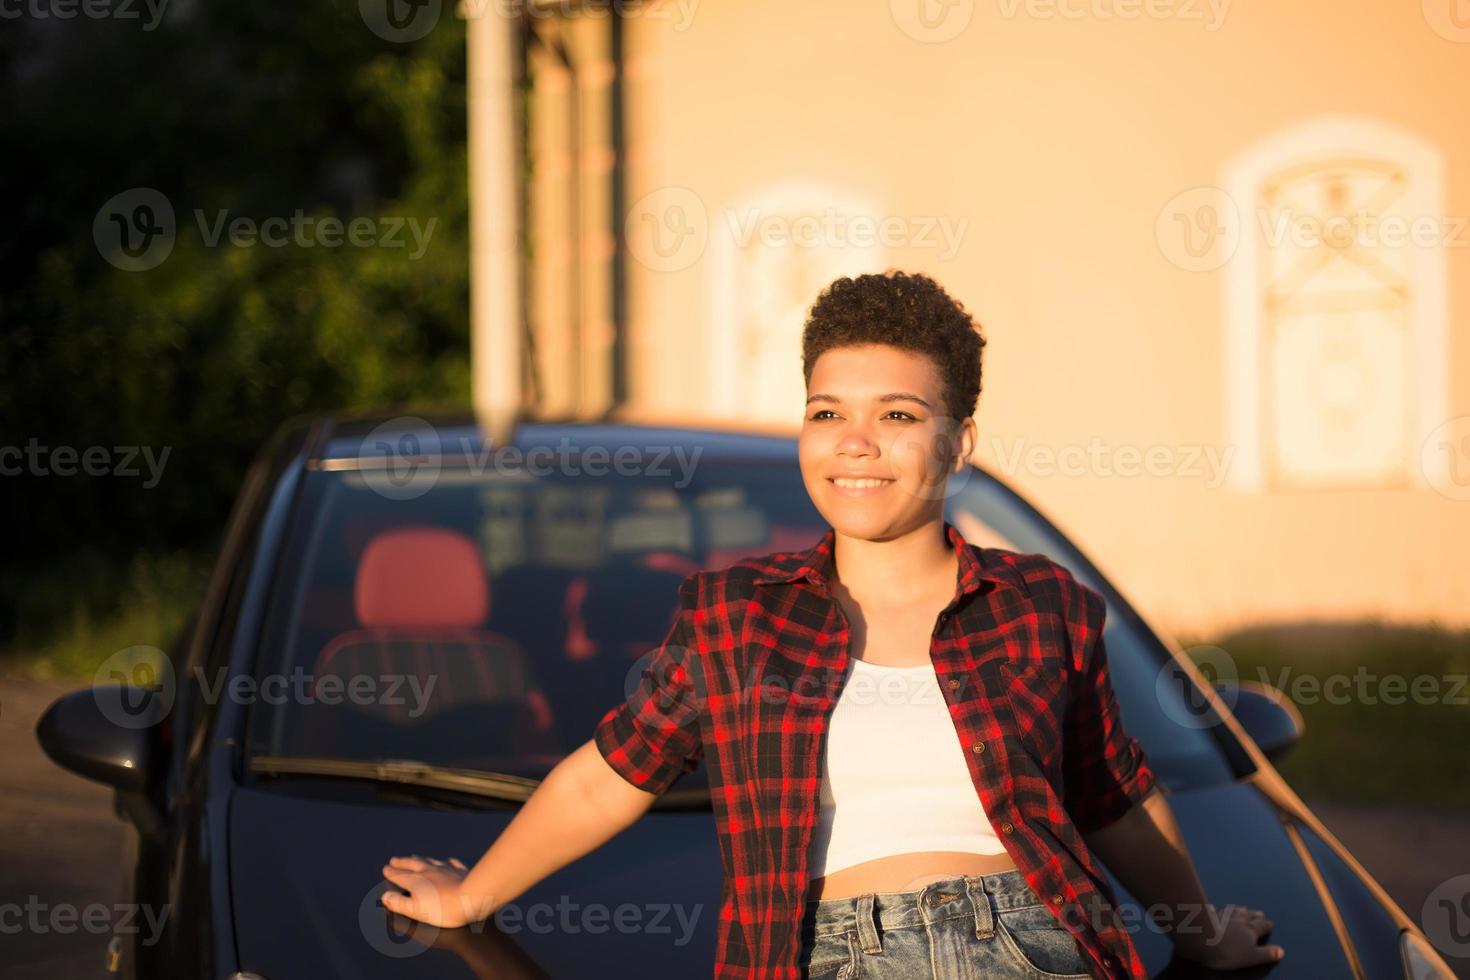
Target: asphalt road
60	847
61	844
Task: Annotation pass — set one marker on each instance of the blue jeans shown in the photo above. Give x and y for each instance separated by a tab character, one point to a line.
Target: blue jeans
964	927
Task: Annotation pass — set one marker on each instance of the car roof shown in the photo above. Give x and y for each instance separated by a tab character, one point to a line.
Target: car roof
342	437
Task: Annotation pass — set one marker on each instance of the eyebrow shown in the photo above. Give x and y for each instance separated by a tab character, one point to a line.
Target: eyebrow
892	396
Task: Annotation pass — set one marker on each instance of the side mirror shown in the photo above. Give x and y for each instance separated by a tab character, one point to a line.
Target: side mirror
1267	715
106	733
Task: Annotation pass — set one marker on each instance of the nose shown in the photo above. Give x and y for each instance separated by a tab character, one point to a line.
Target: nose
856	441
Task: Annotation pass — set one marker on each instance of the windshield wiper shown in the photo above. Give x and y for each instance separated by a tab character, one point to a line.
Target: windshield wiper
410	772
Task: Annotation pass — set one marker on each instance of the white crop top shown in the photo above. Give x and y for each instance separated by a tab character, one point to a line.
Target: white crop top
894	776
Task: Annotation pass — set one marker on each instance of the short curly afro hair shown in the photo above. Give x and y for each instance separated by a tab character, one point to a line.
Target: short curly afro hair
910	312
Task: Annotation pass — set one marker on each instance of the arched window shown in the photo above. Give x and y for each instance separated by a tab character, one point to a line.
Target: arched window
1336	307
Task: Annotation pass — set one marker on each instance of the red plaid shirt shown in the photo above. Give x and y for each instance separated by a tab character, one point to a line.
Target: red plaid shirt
747	677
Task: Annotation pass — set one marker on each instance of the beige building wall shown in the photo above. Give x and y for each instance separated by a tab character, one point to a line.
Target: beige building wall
1091	179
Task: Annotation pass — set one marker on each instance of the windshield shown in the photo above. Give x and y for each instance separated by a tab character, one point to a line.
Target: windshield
489	620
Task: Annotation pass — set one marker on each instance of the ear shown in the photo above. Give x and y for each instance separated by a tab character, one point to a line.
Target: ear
966	437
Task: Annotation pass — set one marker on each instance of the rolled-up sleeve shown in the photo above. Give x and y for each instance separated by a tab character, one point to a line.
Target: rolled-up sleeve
1105	769
653	736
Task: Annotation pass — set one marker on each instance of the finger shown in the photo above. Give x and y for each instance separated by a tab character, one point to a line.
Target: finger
436	862
1269	954
403	879
400	903
458	864
414	863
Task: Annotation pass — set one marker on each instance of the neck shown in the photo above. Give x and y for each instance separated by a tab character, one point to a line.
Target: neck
895	568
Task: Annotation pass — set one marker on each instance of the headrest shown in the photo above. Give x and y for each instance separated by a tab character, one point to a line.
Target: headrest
421	577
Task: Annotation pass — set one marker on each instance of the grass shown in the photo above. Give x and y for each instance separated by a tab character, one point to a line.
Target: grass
157	595
1387	708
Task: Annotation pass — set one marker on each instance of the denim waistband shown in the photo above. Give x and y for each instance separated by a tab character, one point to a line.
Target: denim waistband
944	898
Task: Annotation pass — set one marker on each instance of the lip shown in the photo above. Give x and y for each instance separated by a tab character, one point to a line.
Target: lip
859	491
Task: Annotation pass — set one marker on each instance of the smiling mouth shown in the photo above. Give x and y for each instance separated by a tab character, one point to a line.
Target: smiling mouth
855	483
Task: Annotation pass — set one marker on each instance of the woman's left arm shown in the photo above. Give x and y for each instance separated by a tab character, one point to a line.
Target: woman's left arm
1146	851
1112	795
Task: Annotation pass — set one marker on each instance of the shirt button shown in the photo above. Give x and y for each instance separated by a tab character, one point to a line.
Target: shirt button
1008	828
1056	900
954	682
977	748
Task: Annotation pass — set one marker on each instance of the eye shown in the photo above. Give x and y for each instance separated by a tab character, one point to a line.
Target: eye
817	415
904	416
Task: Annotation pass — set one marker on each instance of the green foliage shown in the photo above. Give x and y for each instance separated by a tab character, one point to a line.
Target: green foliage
259	111
158	595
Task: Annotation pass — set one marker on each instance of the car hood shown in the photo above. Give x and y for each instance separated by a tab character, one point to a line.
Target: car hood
305	880
1246	851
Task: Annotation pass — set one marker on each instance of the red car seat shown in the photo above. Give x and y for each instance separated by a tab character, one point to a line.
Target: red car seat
421	599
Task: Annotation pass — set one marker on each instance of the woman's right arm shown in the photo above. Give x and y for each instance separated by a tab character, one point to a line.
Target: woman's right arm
580	805
638	749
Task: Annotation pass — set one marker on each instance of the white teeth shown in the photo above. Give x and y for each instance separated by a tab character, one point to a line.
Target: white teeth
864	483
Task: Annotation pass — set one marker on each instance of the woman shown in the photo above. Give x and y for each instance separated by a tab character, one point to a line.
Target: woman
949	705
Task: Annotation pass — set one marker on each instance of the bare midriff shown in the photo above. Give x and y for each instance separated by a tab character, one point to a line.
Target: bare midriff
905	872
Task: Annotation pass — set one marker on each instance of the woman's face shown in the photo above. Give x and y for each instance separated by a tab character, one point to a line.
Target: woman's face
877	445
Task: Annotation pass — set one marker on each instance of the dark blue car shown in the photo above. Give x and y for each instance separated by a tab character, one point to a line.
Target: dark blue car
410	624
